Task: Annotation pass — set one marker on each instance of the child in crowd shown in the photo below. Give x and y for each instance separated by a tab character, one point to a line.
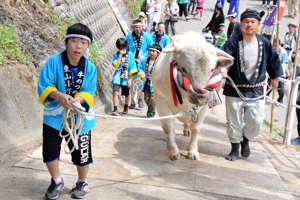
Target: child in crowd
222	36
125	65
199	8
68	76
208	37
145	71
143	19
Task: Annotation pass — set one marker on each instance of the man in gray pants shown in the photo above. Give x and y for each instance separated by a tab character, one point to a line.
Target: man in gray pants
254	56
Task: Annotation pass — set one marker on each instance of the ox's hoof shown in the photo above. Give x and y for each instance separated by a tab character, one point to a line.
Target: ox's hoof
193	155
174	157
187	133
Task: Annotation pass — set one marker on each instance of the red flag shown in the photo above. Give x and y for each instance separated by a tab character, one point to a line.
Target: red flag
282	7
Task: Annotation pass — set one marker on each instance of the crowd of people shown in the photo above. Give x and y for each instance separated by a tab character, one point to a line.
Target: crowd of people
70	77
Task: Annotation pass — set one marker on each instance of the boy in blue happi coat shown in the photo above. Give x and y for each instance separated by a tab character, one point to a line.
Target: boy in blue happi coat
68	76
145	67
159	37
125	66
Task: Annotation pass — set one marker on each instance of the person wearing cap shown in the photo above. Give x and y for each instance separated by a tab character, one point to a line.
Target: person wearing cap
267	30
138	44
254	58
234	4
216	20
145	68
293	8
68	77
143	19
208	37
234	27
290	40
222	36
159	37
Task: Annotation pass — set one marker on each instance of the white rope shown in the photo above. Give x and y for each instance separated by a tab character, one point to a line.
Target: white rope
241	95
69	117
137	83
71	129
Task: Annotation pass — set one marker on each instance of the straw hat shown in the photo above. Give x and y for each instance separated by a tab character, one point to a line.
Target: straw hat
293	24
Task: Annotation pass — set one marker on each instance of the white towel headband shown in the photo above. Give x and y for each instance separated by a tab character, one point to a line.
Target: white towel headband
78	36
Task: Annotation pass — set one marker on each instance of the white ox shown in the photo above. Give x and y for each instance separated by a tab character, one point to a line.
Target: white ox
196	58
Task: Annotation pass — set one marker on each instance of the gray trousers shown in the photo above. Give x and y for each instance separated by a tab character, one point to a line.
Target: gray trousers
150	22
167	22
244	118
293	7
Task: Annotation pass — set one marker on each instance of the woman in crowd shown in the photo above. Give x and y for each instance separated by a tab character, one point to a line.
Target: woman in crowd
171	9
216	20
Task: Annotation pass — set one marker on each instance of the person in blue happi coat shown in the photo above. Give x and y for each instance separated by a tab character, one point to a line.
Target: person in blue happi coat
138	44
159	37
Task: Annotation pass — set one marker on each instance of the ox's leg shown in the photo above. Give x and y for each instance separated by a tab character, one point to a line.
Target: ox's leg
186	130
168	127
193	153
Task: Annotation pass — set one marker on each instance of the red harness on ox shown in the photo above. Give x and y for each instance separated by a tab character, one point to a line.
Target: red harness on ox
212	84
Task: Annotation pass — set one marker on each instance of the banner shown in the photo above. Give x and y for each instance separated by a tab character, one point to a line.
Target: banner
282	7
269	21
119	17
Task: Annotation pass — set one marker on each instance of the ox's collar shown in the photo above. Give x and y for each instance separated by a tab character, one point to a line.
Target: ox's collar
177	77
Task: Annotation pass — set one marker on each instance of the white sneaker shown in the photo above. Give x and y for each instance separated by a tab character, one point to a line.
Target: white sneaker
268	6
187	18
263	5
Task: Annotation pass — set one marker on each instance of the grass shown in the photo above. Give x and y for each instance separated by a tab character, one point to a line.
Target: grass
135	6
9	47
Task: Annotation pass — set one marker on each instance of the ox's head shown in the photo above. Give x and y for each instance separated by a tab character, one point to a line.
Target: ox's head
196	59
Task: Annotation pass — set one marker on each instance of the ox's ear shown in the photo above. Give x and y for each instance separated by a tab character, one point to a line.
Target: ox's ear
224	62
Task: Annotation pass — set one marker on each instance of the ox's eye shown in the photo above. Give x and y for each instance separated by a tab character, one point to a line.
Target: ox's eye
183	70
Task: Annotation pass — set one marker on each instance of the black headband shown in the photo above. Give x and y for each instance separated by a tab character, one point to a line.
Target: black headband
250	15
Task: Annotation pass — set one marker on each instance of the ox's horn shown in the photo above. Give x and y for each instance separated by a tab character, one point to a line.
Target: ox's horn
171	50
224	54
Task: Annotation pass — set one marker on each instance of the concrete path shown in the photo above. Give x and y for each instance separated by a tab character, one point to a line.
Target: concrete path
131	162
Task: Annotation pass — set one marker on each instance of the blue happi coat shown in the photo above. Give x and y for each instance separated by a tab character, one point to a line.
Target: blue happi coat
146	43
142	68
131	68
52	79
268	61
164	42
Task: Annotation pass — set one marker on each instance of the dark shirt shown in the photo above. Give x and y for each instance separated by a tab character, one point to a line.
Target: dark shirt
233	29
270	63
214	23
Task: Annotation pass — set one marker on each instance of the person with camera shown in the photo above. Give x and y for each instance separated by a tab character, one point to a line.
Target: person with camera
290	39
